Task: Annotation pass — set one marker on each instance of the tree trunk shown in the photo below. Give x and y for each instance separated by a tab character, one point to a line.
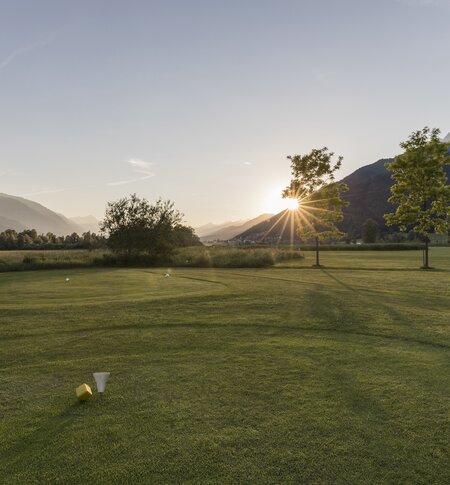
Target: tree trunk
425	254
317	252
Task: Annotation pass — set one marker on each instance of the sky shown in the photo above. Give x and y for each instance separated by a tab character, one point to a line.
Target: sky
201	102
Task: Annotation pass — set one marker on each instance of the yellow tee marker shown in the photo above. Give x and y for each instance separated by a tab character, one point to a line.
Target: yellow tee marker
84	392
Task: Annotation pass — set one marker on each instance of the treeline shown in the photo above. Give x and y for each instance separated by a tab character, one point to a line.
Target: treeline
181	236
30	239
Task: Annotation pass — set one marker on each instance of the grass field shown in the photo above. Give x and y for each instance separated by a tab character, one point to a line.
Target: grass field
283	375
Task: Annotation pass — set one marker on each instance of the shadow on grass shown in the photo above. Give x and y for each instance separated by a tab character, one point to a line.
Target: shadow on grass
395	317
362	268
34	443
270	328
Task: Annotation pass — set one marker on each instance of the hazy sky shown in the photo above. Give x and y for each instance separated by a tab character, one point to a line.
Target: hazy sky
201	101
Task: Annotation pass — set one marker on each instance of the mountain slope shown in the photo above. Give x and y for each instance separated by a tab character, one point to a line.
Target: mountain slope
211	228
87	223
369	188
230	231
22	214
277	228
7	223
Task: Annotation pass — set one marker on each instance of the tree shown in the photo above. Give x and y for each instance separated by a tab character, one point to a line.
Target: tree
72	239
137	227
51	238
8	239
420	187
185	236
24	240
319	196
370	231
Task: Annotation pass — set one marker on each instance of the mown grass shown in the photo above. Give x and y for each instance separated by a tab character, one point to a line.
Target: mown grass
281	375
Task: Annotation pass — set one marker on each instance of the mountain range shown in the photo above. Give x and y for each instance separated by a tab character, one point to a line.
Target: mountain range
87	223
19	213
228	230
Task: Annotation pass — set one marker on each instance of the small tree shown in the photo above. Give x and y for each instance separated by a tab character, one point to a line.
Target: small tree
135	226
319	196
420	189
370	231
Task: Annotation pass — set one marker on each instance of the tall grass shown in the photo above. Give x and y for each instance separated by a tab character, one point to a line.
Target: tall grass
47	259
197	256
226	257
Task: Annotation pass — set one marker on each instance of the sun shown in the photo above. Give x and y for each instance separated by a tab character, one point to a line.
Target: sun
274	203
291	204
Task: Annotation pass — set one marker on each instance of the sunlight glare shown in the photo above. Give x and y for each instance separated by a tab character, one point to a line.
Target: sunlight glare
291	204
274	203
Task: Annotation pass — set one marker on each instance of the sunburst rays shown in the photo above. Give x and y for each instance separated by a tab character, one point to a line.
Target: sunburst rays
310	214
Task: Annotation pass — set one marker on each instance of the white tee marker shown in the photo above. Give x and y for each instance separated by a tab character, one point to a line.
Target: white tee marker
100	380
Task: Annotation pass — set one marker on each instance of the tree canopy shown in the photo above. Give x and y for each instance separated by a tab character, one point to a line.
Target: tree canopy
420	188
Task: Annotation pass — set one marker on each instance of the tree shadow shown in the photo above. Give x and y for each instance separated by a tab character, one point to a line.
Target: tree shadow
394	316
365	268
33	443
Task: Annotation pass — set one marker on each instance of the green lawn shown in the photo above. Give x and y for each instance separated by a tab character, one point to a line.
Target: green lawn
285	375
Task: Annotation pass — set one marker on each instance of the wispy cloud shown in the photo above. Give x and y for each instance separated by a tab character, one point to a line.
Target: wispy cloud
247	163
139	166
23	50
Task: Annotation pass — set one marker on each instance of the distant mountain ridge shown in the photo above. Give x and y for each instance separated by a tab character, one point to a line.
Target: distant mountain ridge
212	228
369	188
19	213
279	228
87	223
230	230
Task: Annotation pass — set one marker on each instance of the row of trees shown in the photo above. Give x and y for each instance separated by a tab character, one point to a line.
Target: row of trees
420	191
30	239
